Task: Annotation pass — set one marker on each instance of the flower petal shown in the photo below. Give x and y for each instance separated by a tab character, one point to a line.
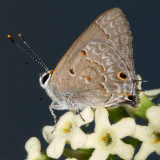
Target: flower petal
99	155
145	150
33	147
47	133
123	150
152	93
87	115
139	85
67	117
55	148
125	127
77	138
101	118
158	150
153	114
65	124
141	132
91	141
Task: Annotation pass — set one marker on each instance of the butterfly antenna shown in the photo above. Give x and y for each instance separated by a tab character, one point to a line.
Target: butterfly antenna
35	54
139	80
35	58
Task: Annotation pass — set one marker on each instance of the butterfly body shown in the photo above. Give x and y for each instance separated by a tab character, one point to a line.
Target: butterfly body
98	68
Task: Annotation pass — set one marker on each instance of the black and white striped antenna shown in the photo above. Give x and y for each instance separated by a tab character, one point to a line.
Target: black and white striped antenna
33	54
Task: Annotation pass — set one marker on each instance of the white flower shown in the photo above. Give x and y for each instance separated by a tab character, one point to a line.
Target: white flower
33	147
107	138
149	135
150	93
139	85
67	129
48	133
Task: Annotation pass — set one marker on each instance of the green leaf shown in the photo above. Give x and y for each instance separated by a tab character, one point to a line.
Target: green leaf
112	157
145	103
80	154
133	141
116	114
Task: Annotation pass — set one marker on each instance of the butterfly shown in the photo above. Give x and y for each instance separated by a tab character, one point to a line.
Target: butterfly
98	68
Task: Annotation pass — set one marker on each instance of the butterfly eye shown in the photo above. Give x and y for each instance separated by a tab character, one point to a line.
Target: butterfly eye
44	78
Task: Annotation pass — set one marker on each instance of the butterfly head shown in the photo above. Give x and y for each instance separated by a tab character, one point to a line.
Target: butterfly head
58	100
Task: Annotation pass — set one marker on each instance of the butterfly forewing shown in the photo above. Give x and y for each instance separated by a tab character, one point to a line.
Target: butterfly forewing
98	69
116	27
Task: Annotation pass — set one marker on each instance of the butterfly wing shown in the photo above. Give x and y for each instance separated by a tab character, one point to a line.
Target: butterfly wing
98	68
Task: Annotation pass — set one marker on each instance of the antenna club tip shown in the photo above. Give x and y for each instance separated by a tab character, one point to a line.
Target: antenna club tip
21	37
10	38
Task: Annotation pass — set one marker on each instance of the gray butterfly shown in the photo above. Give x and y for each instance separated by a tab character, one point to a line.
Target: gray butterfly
98	68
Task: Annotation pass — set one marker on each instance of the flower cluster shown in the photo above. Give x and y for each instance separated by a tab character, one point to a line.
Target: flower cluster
149	135
106	140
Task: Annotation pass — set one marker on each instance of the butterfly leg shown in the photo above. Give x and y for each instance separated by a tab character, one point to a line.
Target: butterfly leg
75	108
53	114
118	102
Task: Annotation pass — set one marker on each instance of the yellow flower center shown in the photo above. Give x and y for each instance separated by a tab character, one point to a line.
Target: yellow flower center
156	137
107	139
67	127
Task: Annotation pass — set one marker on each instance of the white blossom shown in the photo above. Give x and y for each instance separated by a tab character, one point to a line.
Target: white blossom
152	93
107	138
149	93
149	135
33	148
67	129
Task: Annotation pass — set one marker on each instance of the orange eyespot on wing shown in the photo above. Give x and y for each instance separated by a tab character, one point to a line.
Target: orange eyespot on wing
104	90
103	78
122	76
83	53
101	86
129	96
102	68
95	63
89	79
71	71
107	35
